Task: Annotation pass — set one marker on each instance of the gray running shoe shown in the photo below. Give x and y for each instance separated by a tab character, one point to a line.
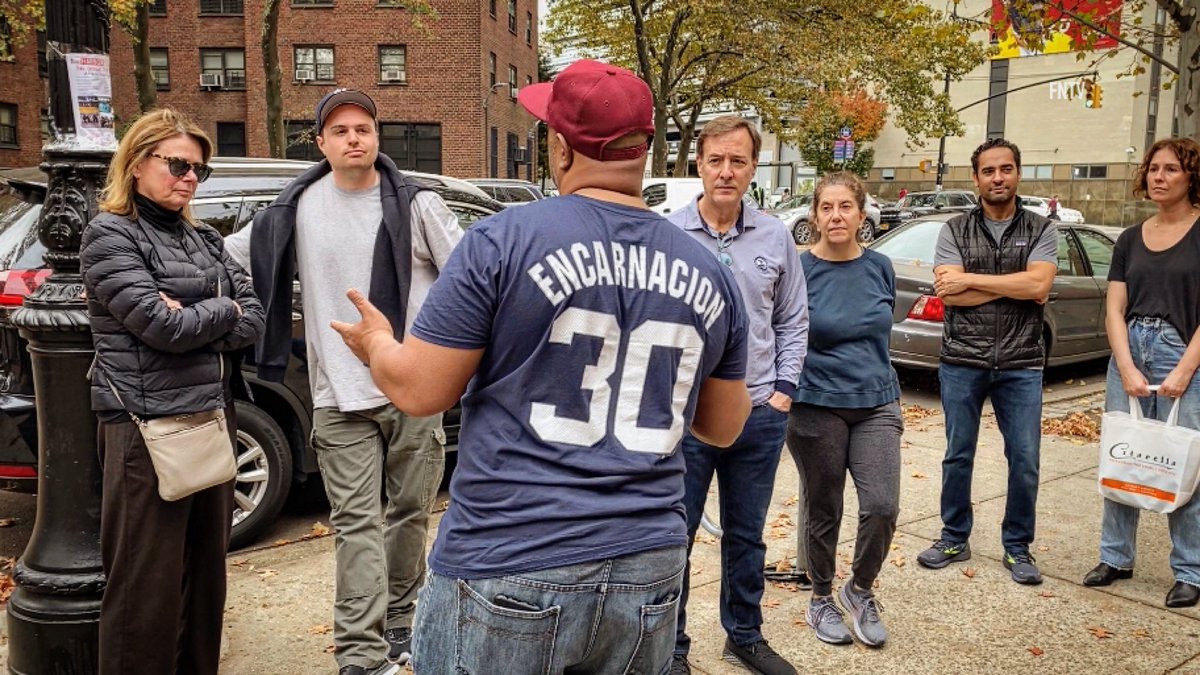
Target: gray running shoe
864	611
1023	568
942	553
826	620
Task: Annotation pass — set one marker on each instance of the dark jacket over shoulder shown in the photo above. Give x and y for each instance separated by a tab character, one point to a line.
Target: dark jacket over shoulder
273	260
163	361
1005	333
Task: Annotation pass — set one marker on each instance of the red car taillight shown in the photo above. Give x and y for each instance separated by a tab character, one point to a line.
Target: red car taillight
19	283
928	308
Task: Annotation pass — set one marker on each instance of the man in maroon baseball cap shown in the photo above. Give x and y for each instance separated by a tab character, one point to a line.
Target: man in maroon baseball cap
588	333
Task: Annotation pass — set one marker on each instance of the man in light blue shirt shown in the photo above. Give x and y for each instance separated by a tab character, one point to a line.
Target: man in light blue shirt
766	265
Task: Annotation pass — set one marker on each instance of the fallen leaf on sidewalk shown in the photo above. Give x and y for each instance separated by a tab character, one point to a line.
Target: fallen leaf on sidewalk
320	629
782	520
840	574
771	603
1070	381
792	501
1046	594
320	529
1100	632
784	565
330	649
912	413
705	538
786	586
895	547
1073	425
918	475
1141	633
9	522
1043	549
899	561
281	542
969	572
6	587
442	506
268	573
1036	651
696	569
799	622
240	563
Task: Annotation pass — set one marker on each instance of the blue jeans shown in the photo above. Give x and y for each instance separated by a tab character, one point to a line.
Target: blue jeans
1017	399
606	616
746	476
1156	348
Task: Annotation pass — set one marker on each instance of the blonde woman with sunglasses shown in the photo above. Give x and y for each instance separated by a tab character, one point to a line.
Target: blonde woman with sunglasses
169	311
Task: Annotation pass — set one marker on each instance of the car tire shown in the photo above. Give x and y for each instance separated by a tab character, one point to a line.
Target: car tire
264	465
866	232
802	233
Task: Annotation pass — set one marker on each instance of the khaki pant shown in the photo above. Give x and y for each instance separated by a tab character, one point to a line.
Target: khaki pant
358	451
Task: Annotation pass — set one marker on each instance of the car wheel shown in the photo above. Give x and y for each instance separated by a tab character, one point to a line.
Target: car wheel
802	233
264	473
866	232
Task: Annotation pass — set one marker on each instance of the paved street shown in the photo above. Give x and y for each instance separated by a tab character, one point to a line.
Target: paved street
967	618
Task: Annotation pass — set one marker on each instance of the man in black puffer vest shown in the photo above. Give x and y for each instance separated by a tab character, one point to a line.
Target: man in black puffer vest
994	267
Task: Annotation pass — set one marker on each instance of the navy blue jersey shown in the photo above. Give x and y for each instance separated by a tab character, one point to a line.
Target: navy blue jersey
599	322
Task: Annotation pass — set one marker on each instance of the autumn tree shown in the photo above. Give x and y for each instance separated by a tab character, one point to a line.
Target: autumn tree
818	126
774	56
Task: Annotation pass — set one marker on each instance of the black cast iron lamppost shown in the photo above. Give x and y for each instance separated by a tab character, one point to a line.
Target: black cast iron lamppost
53	615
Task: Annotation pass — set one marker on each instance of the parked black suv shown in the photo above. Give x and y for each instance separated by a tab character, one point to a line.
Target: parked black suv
273	428
917	204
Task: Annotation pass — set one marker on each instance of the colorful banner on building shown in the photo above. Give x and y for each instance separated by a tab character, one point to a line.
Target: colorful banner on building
1030	28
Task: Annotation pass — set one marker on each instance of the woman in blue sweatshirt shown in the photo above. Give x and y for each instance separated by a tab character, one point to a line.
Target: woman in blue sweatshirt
846	415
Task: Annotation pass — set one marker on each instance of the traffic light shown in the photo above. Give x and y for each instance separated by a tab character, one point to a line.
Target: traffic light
1097	95
924	166
1089	93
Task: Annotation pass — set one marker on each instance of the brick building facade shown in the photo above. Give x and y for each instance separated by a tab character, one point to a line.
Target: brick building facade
431	79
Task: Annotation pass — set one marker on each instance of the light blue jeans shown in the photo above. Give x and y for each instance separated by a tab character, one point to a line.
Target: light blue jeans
605	617
1156	349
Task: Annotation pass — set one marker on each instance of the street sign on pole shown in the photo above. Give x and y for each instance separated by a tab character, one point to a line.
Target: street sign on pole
849	150
839	150
845	132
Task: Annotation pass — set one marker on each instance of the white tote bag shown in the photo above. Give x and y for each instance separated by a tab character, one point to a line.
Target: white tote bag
1148	464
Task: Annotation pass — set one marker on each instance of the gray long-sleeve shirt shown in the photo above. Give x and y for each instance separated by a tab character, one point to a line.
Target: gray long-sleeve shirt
770	277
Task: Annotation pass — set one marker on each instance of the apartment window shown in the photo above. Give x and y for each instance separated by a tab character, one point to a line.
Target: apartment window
529	28
494	162
8	124
510	141
315	62
413	147
158	8
47	135
312	3
220	6
160	69
491	69
1089	171
393	64
887	174
302	141
231	139
492	8
512	82
43	68
6	42
230	64
512	16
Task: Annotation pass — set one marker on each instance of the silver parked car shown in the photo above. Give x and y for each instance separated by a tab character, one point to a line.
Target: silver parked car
1075	312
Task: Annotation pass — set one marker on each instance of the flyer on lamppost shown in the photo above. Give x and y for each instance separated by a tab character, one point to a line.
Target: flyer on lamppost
91	98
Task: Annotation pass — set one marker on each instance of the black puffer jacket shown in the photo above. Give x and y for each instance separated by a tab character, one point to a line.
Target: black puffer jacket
162	361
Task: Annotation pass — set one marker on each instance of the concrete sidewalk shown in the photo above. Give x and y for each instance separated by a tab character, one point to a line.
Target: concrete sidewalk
967	618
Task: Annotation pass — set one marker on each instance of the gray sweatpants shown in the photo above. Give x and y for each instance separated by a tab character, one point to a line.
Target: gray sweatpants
825	443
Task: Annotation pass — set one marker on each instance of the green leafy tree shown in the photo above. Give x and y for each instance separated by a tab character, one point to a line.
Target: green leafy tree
774	55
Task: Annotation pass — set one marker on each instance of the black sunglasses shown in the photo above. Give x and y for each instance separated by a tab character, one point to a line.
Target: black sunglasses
179	167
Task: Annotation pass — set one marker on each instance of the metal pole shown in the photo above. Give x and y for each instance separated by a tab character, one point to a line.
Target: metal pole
942	141
53	615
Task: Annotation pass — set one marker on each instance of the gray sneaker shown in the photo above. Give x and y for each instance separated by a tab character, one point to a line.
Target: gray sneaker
942	553
384	669
1023	567
826	620
864	611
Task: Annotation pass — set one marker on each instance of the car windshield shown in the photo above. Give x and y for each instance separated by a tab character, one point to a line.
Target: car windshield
914	242
19	247
923	199
1031	201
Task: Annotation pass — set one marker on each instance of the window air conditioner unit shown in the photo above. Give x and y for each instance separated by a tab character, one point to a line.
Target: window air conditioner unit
304	75
521	155
211	80
395	75
512	92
